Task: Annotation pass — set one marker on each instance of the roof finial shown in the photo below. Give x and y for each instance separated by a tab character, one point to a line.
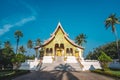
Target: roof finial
59	23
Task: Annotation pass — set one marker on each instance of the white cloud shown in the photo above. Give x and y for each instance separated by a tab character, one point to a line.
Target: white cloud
25	20
7	27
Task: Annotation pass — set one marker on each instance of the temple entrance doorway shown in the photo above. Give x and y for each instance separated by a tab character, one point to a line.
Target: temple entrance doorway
58	52
59	49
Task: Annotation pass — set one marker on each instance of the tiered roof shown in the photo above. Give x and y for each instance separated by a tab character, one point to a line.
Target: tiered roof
65	35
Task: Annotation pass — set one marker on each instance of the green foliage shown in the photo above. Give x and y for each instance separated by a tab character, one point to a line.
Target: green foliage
17	35
110	49
38	42
22	49
10	74
104	60
18	58
111	21
90	56
111	73
30	44
30	57
6	56
7	44
0	44
80	39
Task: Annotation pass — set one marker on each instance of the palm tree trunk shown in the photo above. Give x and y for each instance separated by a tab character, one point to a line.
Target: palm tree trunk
116	36
117	44
17	46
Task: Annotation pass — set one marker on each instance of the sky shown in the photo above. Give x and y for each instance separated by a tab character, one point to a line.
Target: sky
39	18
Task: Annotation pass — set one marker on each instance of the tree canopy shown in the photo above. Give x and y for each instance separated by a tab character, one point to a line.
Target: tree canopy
104	60
80	39
17	35
109	49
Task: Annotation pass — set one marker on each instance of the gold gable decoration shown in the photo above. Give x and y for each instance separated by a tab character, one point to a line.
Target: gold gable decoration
59	44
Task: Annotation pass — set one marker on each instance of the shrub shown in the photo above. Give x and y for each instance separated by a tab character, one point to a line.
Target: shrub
104	60
111	73
9	74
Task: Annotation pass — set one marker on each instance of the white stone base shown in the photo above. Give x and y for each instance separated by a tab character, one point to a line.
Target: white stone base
71	59
47	59
90	65
29	65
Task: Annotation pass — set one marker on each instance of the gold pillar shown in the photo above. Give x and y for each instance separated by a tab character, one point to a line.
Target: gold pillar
53	51
45	52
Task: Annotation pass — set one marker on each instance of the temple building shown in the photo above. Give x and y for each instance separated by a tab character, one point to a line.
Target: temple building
59	44
59	52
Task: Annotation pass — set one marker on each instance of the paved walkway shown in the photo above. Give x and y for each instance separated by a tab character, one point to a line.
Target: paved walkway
61	75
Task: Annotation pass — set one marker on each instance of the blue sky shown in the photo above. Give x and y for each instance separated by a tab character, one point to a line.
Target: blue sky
39	18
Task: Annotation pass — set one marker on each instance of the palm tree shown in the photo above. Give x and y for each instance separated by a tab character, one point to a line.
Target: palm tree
7	44
22	49
0	44
80	39
8	50
30	44
38	43
18	34
111	21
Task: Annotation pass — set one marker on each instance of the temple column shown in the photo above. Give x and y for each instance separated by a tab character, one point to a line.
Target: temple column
53	52
45	52
65	55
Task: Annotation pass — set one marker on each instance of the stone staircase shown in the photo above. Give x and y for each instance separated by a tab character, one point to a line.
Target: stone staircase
60	64
30	65
76	66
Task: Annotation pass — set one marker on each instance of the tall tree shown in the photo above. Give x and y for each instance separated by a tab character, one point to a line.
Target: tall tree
0	44
104	60
30	44
22	49
7	44
18	34
80	39
38	43
6	54
108	48
111	21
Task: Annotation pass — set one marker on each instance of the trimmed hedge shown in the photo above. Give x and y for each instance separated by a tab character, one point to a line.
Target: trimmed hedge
9	74
111	73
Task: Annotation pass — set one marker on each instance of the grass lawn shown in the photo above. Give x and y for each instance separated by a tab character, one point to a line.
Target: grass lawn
112	73
117	73
9	74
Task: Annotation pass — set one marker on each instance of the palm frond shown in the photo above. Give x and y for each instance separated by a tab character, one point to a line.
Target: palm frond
111	21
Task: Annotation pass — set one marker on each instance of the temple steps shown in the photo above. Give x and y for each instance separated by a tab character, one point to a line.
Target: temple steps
60	64
63	66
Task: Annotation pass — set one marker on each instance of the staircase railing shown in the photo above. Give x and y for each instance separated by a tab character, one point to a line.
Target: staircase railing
38	66
81	65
